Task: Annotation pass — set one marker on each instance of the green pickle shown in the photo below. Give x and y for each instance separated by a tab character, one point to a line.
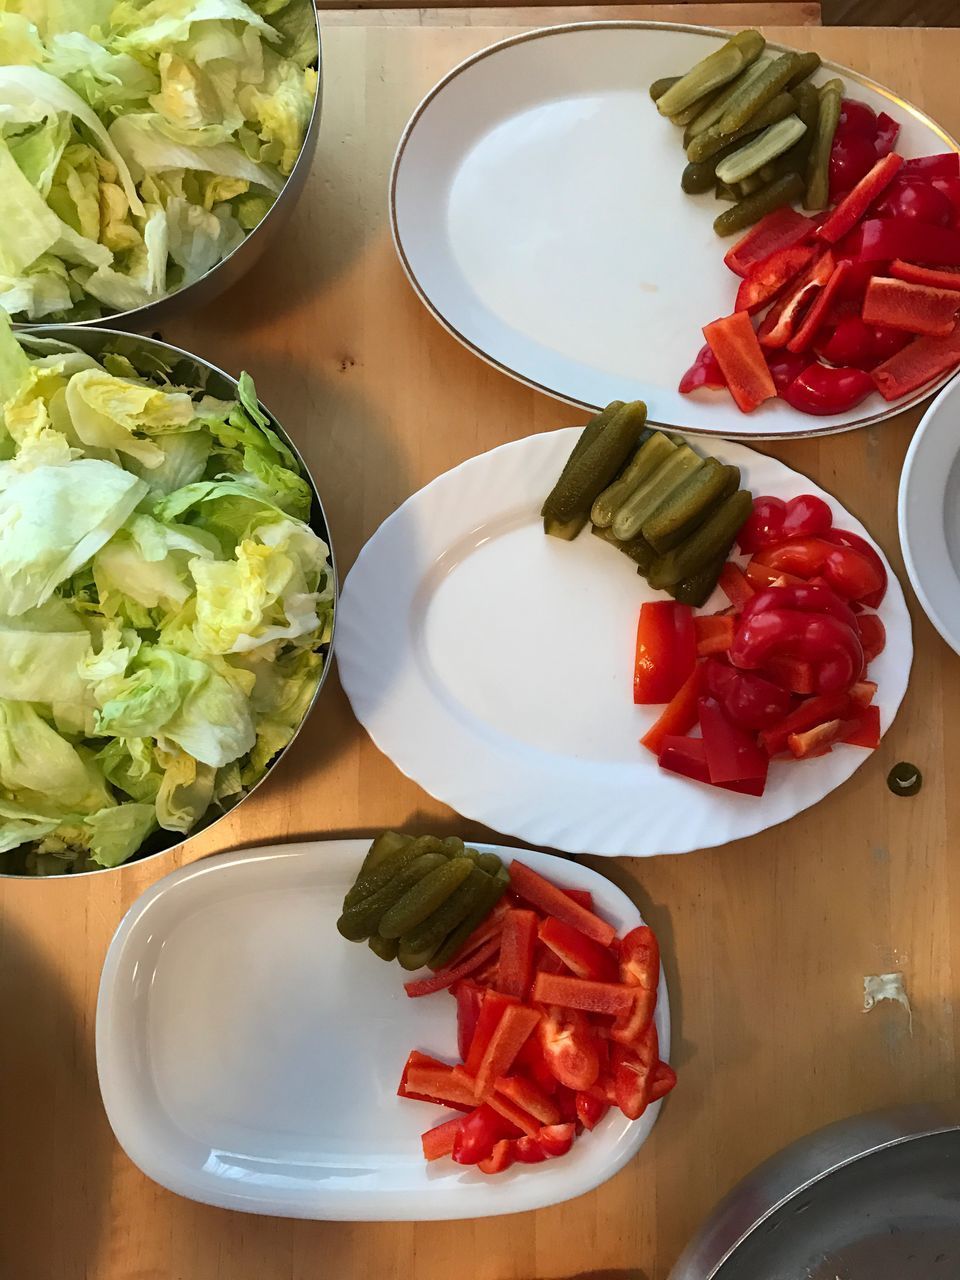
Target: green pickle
660	87
438	926
645	461
590	432
806	65
363	919
492	893
386	843
761	150
817	194
712	140
750	210
711	114
410	959
712	539
385	948
375	879
697	589
490	863
689	505
424	897
712	72
643	501
596	466
764	89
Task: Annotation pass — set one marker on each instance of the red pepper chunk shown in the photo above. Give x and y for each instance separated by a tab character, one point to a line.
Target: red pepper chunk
735	587
527	1096
517	945
763	527
732	751
704	372
514	1115
883	239
580	993
666	651
804	622
688	757
917	308
639	970
944	165
469	997
515	1025
664	1080
863	730
778	230
781	320
583	897
816	316
680	713
809	714
822	390
923	360
499	1159
634	1067
852	208
433	1082
590	1110
734	342
771	276
441	1139
815	742
478	1134
570	1047
495	1004
873	635
581	955
553	901
748	699
444	978
714	633
944	278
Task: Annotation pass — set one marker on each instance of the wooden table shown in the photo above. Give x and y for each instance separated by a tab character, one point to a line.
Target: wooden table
766	942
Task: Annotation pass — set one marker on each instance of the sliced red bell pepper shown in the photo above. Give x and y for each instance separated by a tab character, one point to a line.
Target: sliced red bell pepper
885	139
734	585
469	997
444	978
764	526
768	278
873	636
580	993
633	1071
583	898
433	1081
555	1139
761	576
863	730
514	1115
567	1098
784	366
553	901
494	1005
489	928
732	752
923	360
664	1079
854	343
527	1096
835	706
852	207
516	1023
792	675
680	713
863	692
781	321
478	1134
639	970
440	1140
734	342
581	955
666	651
499	1159
517	946
821	389
853	572
570	1047
747	698
688	757
527	1150
844	538
778	230
590	1110
883	239
532	1062
916	308
944	165
704	372
942	278
809	327
714	633
816	741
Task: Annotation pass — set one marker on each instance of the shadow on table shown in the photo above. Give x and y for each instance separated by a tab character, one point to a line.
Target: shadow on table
54	1161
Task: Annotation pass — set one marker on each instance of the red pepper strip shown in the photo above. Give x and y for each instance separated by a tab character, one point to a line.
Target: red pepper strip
748	699
732	752
781	320
810	713
917	308
581	955
527	1150
664	1079
923	360
816	316
888	130
816	599
494	1006
778	230
514	1027
570	1047
688	757
666	651
680	713
883	239
436	1084
873	636
469	997
590	1110
420	1061
489	928
771	276
527	1096
439	1141
944	278
863	692
714	633
704	372
499	1159
533	1063
761	577
603	1090
852	207
517	945
583	897
812	742
734	585
633	1071
734	343
820	389
945	165
792	676
844	538
556	1139
805	623
640	970
478	1133
580	993
513	1114
552	901
447	977
864	729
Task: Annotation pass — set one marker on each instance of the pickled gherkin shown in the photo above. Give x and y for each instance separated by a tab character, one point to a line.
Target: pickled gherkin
363	918
761	150
751	209
712	539
492	893
385	948
660	87
645	461
689	505
376	877
764	89
586	438
424	897
712	140
697	589
434	930
568	506
712	72
644	500
387	842
712	112
817	194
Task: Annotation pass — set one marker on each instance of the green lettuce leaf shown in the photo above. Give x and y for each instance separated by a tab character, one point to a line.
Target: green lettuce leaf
36	761
119	413
114	834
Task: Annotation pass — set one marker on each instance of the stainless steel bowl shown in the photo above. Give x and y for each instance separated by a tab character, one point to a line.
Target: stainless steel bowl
228	271
875	1197
146	354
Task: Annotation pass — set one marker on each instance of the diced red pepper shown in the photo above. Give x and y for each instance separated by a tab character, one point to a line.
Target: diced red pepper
532	1062
778	230
863	730
807	623
489	928
590	1110
748	699
633	1071
583	898
527	1096
439	1141
478	1134
734	342
688	757
555	1139
494	1005
553	901
735	587
664	1079
469	997
528	1150
923	360
816	741
781	321
514	1115
517	945
680	713
570	1047
816	316
915	198
844	538
883	239
761	576
433	1081
581	993
515	1025
444	978
732	752
639	970
917	308
873	635
942	278
885	139
821	389
666	651
499	1159
806	516
835	706
945	165
769	277
852	571
704	372
714	633
792	675
852	342
852	208
784	366
581	955
864	691
764	526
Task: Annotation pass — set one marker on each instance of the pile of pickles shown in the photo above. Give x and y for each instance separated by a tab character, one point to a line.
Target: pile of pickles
418	899
672	512
756	130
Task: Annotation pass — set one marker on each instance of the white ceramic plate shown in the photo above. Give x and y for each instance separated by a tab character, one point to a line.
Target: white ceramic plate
536	208
929	513
494	665
249	1057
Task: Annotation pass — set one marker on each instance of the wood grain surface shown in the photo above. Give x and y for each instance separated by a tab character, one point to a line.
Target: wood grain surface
712	14
766	942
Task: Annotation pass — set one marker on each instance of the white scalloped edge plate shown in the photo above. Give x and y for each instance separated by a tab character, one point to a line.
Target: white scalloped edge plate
249	1057
494	665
